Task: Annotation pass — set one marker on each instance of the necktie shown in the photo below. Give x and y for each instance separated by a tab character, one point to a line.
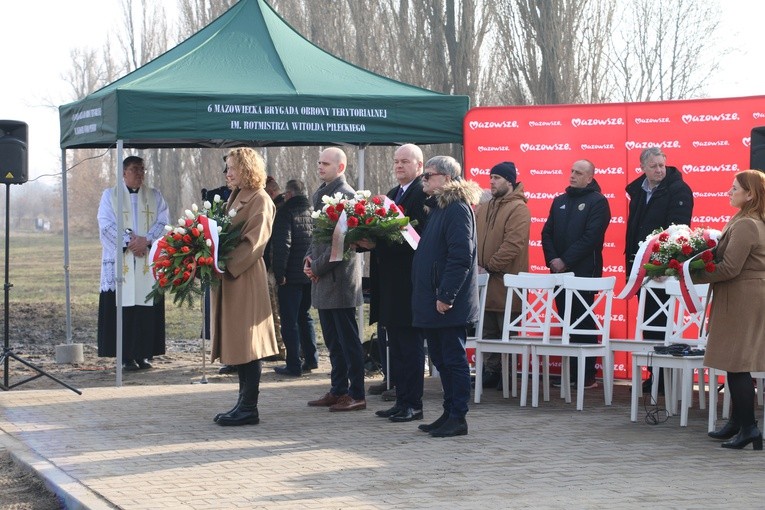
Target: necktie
399	194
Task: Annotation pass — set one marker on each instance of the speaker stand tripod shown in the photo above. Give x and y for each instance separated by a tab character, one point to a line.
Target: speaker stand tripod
8	353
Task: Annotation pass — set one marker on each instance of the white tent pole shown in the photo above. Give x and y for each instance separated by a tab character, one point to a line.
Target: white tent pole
66	249
360	185
118	278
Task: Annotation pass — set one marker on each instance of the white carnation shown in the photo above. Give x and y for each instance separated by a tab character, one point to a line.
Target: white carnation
326	199
169	228
217	198
232	213
315	214
207	204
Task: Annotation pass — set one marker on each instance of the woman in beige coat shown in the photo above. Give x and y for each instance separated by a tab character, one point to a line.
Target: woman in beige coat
243	327
736	340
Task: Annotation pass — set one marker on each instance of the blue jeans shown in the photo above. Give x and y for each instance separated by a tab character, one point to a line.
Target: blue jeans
446	347
341	334
297	325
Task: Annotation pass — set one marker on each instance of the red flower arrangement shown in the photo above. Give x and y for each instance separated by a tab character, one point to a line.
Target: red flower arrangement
183	261
365	217
672	247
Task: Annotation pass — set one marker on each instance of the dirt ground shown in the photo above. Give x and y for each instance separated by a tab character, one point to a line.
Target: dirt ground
182	364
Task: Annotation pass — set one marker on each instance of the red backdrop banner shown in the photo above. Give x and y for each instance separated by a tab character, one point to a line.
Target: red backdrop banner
707	140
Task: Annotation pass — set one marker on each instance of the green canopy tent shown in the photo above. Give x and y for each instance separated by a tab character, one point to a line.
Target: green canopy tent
249	79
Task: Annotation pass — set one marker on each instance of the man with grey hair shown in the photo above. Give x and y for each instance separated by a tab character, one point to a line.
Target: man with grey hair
658	199
290	240
444	286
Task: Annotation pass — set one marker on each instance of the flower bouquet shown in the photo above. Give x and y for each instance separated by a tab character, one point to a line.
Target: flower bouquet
670	248
183	261
344	221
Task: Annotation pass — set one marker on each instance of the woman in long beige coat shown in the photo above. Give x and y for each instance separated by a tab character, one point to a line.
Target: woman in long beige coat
736	340
243	327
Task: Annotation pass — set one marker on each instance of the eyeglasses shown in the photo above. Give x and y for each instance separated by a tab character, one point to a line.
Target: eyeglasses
427	175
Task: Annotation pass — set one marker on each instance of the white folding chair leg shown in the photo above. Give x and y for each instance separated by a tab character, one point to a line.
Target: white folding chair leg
565	379
546	376
478	375
702	390
505	376
580	363
685	401
525	377
514	374
712	400
726	400
637	389
534	379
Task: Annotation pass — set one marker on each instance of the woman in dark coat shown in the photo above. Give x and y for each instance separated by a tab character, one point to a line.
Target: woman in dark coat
736	340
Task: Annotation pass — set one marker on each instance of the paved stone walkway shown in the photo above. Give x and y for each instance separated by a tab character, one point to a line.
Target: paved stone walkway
143	447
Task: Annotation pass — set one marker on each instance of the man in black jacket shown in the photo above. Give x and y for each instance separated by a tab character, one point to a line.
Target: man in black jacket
290	240
572	240
658	199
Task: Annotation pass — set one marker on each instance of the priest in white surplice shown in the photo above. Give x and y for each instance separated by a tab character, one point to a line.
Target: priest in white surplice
145	215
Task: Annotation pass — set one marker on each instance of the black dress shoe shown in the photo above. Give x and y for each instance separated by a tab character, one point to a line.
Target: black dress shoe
227	369
452	427
407	414
747	434
144	364
130	366
286	371
728	431
433	426
389	412
308	367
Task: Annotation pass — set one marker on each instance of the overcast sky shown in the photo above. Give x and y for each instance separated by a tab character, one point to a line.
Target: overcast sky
38	36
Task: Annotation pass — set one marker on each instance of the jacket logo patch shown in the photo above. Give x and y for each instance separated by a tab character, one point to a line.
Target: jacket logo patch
581	207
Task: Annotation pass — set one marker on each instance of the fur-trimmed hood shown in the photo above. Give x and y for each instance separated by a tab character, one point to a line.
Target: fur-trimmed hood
461	190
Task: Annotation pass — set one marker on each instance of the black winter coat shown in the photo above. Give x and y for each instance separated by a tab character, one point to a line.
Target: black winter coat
575	229
671	203
290	240
390	268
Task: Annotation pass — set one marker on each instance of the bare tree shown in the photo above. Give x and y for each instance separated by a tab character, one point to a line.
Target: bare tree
550	52
665	50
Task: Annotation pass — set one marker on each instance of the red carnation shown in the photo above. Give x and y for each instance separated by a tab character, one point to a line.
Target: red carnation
332	216
369	220
707	256
656	263
710	268
340	206
663	237
189	222
359	209
655	248
330	210
686	249
177	282
377	200
353	222
711	243
674	264
380	212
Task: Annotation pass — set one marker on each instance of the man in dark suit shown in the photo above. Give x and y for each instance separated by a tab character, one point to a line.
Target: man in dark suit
391	281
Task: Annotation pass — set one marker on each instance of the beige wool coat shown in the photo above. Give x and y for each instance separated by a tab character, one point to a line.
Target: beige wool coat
503	226
736	341
243	326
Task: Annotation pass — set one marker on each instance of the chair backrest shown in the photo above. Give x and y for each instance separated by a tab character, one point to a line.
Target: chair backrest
483	284
556	321
534	292
598	314
686	327
652	297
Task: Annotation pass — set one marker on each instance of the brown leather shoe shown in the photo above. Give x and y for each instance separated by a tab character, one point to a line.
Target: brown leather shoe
327	400
346	403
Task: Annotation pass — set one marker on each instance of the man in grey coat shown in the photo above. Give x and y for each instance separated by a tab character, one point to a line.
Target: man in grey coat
335	293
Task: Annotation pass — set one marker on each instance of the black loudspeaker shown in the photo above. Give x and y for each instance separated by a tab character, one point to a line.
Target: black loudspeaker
757	149
13	152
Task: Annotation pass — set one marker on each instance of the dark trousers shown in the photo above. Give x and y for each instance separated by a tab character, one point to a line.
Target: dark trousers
341	335
577	309
446	348
297	325
407	364
742	397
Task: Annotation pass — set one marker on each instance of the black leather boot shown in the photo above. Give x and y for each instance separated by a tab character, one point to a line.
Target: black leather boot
747	434
246	413
433	426
451	427
238	398
728	431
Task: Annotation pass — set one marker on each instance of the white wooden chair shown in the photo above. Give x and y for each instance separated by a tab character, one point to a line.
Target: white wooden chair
600	312
688	328
532	324
664	312
483	283
759	377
